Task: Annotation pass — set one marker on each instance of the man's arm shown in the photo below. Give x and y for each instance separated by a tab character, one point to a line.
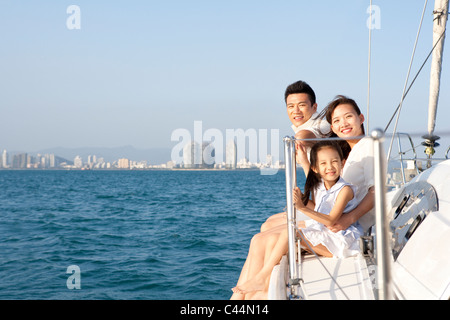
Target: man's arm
301	155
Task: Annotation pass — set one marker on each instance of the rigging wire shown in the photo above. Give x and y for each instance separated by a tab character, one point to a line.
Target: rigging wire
412	82
368	67
406	81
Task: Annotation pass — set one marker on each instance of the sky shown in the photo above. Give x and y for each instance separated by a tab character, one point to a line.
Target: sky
136	71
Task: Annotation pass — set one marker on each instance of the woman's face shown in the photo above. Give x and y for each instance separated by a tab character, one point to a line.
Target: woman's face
345	122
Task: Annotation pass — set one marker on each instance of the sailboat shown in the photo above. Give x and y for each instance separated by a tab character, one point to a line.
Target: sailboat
407	253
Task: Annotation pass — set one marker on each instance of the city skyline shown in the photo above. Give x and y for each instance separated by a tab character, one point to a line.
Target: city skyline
195	156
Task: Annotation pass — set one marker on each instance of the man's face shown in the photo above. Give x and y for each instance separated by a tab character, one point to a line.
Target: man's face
299	108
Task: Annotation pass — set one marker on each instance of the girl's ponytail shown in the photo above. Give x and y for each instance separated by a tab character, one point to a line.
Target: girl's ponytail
312	181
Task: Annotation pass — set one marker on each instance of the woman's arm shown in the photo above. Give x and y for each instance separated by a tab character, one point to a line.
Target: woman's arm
344	196
366	204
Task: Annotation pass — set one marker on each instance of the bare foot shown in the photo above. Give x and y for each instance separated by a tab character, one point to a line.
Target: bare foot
255	284
237	296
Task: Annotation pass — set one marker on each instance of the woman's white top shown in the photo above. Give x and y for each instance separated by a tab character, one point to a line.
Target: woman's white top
359	171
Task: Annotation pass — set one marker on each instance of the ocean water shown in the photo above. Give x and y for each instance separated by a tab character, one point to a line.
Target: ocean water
132	234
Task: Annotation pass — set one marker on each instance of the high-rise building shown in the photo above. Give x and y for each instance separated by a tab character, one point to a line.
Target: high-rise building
231	155
19	161
192	156
208	155
5	162
197	157
123	163
52	160
78	162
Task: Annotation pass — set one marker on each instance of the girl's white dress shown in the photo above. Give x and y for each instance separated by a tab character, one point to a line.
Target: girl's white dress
343	243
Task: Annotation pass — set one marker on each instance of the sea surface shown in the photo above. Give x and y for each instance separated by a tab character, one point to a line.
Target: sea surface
159	235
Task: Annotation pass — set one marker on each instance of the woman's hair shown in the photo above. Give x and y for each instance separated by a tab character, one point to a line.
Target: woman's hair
314	178
327	113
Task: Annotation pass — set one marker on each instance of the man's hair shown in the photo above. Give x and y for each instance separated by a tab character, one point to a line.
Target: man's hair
300	87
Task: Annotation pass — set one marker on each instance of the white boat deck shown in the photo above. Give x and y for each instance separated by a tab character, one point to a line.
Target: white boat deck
351	275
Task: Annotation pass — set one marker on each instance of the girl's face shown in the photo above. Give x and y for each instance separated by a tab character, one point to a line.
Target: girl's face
328	166
345	122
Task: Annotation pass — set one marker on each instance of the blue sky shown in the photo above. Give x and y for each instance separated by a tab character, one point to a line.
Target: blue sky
138	70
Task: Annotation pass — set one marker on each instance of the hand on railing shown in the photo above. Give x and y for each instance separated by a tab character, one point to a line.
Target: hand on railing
297	197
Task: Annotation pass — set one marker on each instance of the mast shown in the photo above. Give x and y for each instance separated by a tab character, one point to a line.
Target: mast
440	14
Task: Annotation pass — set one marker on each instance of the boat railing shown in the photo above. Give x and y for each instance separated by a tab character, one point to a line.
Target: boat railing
295	283
291	183
405	164
413	169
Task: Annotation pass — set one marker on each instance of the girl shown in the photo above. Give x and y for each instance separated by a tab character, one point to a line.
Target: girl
331	197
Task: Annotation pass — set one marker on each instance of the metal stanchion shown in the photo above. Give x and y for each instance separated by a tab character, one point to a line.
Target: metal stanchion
289	155
381	225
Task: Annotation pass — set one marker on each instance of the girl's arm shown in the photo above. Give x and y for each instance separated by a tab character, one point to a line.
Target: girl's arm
297	197
344	196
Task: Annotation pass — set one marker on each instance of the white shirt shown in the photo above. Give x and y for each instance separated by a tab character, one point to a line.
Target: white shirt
316	125
325	199
359	171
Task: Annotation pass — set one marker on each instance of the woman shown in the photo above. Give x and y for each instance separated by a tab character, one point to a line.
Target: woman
346	122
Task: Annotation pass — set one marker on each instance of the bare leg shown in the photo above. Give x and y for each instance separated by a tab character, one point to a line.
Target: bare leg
243	275
260	281
260	246
274	221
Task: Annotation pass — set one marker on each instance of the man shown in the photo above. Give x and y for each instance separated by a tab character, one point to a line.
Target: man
302	111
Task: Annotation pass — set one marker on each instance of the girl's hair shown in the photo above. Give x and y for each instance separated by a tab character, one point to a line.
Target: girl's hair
313	178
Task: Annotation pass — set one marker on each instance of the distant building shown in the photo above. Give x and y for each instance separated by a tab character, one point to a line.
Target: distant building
78	162
5	160
196	157
208	155
19	161
123	163
52	160
231	155
192	155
